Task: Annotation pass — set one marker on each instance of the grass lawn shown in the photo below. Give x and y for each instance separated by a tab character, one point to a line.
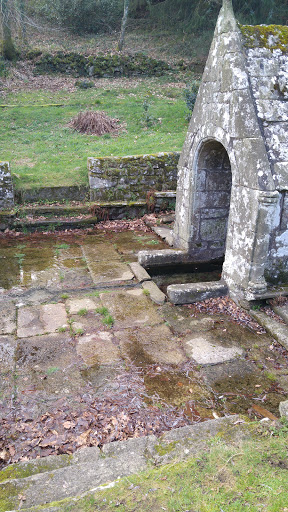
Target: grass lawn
252	476
44	151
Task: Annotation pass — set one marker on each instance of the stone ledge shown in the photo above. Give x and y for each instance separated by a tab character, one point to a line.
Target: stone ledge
59	478
195	292
162	257
274	328
155	293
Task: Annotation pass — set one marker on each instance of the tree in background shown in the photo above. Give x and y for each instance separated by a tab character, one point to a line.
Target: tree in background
123	24
198	15
7	46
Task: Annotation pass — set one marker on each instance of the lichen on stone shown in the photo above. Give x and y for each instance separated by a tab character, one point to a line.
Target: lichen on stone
272	37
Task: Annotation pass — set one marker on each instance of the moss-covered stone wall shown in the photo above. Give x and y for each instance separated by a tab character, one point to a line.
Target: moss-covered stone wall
131	178
101	66
273	37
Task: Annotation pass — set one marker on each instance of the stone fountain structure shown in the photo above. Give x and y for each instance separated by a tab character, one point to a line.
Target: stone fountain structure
232	189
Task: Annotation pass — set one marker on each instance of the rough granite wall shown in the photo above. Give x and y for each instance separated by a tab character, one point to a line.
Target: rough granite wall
241	107
266	50
130	178
6	187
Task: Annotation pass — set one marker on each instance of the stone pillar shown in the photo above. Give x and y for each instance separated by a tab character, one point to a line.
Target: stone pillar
6	187
267	202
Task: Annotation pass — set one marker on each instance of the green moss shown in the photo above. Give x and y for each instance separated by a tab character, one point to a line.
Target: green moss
34	467
163	449
273	37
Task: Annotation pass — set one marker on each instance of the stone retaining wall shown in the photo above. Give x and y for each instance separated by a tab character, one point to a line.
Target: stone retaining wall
6	187
130	178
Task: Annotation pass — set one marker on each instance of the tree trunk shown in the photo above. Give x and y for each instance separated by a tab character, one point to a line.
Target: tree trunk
21	10
123	24
8	48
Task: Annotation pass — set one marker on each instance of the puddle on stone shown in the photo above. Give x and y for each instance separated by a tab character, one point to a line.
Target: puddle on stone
180	274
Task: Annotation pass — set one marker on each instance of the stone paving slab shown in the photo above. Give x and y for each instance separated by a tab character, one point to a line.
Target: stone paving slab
150	345
109	272
7	317
236	372
100	252
98	348
47	368
48	278
73	279
33	297
7	352
73	251
205	351
77	304
88	324
36	320
130	308
50	350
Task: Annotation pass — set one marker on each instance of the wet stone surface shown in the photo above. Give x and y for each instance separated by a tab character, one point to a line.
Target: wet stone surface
74	336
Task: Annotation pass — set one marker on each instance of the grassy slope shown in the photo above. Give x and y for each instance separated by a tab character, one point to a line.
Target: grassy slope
40	146
43	150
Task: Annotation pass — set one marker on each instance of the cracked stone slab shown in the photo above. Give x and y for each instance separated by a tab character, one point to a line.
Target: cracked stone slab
37	320
7	318
206	352
130	310
98	348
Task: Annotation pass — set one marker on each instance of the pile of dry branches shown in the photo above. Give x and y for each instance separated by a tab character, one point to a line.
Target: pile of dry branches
94	123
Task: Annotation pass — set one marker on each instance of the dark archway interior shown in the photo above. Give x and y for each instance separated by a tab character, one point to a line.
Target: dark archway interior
213	192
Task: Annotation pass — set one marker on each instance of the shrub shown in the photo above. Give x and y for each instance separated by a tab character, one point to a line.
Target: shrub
190	95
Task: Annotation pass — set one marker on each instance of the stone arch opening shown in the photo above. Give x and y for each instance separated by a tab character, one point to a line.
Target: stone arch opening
212	199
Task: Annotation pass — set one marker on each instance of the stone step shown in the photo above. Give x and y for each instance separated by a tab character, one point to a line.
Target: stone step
45	481
277	330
